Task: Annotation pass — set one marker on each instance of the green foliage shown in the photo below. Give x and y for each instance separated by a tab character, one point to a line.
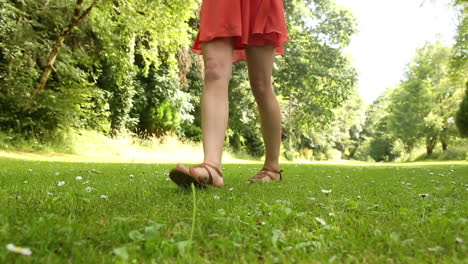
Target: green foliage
462	115
315	76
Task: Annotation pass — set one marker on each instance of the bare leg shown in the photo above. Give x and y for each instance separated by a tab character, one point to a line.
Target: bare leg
217	56
260	64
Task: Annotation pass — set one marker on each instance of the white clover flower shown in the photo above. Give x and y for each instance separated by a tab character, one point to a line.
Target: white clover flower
320	220
132	176
104	196
436	249
89	189
60	183
327	192
19	250
78	178
423	195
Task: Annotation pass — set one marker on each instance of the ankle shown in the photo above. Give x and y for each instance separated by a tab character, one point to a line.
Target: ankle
216	164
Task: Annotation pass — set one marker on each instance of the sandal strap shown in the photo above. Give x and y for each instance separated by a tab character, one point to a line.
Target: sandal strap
205	166
266	172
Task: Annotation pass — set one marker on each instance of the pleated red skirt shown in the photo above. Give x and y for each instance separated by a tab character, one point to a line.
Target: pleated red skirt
249	22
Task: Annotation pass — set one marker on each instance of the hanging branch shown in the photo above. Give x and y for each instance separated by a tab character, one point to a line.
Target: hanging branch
78	17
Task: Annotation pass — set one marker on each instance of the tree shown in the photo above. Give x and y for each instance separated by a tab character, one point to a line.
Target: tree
424	103
462	115
314	76
78	17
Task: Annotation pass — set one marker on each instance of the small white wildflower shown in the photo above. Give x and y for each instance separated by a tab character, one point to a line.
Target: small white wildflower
436	249
231	189
166	174
103	196
60	183
132	176
423	195
327	192
168	179
216	197
78	178
19	250
89	189
25	182
320	220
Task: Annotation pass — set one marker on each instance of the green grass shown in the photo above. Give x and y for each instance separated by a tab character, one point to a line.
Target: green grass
374	214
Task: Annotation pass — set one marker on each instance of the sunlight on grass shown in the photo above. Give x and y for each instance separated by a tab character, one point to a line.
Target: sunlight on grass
90	146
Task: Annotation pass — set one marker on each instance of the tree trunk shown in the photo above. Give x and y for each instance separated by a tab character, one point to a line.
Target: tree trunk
77	18
430	144
444	139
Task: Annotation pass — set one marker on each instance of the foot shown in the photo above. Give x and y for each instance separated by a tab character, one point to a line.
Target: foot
266	175
201	176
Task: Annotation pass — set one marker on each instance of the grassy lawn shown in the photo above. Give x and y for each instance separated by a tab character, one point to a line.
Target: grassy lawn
130	212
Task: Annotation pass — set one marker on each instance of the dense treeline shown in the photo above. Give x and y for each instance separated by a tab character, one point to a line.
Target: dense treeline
117	66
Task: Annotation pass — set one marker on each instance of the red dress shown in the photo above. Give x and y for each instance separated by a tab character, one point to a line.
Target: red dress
250	22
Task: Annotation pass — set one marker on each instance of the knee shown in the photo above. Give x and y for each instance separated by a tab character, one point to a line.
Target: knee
261	88
216	70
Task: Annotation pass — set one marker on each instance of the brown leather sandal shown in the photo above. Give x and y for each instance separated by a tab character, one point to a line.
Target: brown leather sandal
266	175
184	176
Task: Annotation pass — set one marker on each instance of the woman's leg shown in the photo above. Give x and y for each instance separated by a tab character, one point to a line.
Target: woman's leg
260	61
217	57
